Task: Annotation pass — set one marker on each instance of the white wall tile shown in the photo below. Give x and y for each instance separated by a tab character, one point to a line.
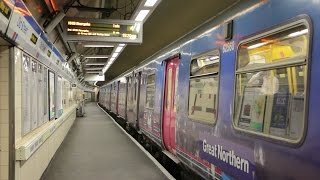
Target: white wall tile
4	49
4	144
4	130
4	116
4	161
4	74
4	172
4	61
4	88
4	102
18	122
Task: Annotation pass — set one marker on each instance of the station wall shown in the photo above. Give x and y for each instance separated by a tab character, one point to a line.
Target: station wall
4	112
31	162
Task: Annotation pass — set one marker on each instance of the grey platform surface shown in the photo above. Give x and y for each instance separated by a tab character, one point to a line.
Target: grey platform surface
96	149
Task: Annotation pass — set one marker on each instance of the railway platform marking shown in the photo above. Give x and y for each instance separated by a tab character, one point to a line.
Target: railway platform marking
162	169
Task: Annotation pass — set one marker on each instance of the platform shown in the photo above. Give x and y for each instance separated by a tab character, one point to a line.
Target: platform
96	148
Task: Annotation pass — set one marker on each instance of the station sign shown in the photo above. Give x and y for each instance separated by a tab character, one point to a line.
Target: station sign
103	30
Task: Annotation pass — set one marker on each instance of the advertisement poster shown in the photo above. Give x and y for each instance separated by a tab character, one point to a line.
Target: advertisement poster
26	95
40	95
279	116
51	95
59	97
45	95
34	95
296	118
252	109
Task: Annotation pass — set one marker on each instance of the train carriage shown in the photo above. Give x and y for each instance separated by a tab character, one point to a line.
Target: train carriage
114	97
133	98
108	97
122	97
234	98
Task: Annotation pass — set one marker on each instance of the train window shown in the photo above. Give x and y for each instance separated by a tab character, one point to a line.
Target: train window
52	107
271	84
150	92
203	87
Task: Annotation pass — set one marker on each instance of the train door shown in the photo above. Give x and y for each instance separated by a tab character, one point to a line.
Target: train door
126	100
169	109
117	96
137	83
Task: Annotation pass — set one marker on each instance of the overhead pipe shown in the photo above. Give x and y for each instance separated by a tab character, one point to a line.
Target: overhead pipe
54	22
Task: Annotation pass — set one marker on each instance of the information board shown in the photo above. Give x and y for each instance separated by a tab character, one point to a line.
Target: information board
121	31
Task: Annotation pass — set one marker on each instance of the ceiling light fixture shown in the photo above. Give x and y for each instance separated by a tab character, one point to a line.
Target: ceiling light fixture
142	14
97	45
90	69
94	64
96	56
93	72
150	3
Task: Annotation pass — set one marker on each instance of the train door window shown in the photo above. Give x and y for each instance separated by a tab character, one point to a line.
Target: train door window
26	109
150	92
271	84
52	95
203	87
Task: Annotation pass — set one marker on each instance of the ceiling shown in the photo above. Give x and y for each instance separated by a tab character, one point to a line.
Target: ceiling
169	21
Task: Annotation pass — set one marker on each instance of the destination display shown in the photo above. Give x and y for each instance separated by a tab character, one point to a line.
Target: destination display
124	31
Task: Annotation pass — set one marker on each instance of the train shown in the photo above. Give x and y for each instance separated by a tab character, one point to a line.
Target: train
235	98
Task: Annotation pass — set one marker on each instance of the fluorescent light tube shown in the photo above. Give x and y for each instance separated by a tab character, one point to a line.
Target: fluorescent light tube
142	14
97	45
93	72
298	33
114	55
119	49
257	45
150	3
90	69
94	64
96	56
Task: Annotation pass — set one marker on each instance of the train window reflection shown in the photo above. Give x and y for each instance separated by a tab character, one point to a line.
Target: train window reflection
150	92
203	87
270	100
281	47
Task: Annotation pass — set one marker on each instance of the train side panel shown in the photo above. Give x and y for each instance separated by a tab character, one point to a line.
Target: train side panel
114	97
122	97
204	146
